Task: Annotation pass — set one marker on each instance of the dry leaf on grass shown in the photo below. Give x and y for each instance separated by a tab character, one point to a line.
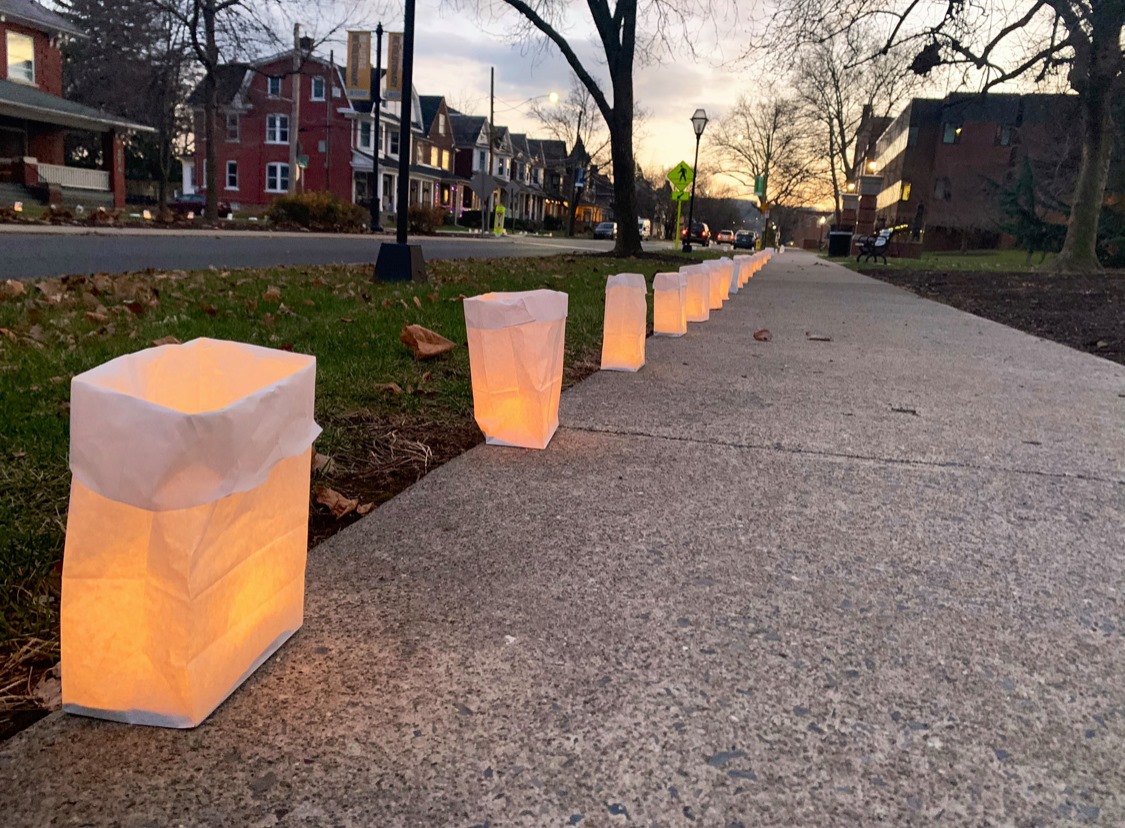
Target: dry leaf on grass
763	335
12	289
424	343
272	294
98	317
337	504
364	508
321	462
390	388
48	691
166	340
417	302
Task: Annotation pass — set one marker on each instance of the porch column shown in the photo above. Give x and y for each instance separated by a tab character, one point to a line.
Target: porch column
113	151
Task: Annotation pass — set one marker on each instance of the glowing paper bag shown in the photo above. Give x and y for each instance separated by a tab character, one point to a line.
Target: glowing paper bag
742	266
717	293
729	284
669	304
184	567
516	362
626	322
698	292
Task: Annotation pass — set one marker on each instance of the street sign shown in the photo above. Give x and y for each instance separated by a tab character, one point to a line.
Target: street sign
681	176
680	195
760	185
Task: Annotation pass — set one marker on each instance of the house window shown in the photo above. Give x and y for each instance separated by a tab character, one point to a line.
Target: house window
274	86
21	57
905	196
277	129
277	178
441	126
481	160
1003	136
317	89
365	134
232	126
943	189
951	134
232	175
394	142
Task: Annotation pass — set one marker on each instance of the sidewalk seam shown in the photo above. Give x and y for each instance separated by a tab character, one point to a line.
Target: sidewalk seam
948	464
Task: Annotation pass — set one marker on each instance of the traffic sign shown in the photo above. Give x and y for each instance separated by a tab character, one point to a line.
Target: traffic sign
680	195
681	176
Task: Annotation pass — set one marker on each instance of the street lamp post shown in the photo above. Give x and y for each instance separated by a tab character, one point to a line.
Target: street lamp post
698	123
376	152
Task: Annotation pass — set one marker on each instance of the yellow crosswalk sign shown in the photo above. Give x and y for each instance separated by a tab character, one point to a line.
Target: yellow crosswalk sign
681	176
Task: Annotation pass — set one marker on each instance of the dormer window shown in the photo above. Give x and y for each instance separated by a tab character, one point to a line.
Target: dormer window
21	57
274	86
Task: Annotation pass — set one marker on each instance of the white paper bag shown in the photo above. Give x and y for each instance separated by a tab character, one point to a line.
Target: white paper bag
626	322
516	361
188	526
669	304
698	292
717	293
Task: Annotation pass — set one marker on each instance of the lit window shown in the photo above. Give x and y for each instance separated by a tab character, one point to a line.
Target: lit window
317	89
277	178
232	126
951	134
21	58
277	129
274	86
232	175
905	191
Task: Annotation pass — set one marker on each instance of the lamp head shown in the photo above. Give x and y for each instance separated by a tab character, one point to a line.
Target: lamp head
699	122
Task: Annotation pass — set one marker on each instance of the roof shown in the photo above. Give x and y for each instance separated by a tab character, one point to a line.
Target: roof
553	151
37	17
466	129
430	105
519	144
228	76
22	101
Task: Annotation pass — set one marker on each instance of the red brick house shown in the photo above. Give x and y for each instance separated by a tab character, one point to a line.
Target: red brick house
255	125
35	118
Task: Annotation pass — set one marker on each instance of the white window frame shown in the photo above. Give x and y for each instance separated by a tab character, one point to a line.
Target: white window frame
317	80
442	127
393	144
272	81
369	129
11	36
275	125
237	127
232	168
279	170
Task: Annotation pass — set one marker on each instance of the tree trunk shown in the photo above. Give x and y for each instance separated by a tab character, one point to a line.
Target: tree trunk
1079	253
210	110
624	164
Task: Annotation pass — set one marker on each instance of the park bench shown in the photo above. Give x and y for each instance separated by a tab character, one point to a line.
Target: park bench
875	247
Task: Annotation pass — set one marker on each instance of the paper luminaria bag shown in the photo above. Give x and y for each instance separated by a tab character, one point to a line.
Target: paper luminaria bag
626	322
184	566
698	292
717	293
516	362
669	304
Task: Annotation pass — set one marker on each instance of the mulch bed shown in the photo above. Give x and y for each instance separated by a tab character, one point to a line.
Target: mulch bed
1086	313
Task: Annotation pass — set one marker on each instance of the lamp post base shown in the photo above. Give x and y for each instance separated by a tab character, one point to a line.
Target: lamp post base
687	247
400	263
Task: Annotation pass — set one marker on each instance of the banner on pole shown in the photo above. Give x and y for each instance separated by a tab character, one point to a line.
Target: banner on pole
394	67
358	72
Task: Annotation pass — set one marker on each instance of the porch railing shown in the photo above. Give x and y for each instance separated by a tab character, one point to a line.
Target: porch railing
74	177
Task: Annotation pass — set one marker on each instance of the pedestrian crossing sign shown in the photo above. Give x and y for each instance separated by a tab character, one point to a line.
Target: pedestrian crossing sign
681	176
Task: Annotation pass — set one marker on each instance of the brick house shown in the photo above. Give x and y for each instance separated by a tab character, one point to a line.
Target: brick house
35	118
255	124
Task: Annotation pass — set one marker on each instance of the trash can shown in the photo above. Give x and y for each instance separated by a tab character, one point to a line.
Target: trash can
839	243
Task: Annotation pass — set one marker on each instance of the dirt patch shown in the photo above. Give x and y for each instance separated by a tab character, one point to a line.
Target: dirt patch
1085	312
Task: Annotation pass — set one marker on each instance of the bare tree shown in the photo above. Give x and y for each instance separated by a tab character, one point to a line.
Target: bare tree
573	117
770	138
1000	42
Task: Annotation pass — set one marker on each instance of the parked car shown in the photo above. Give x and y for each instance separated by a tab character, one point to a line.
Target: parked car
744	240
700	234
724	237
606	230
194	203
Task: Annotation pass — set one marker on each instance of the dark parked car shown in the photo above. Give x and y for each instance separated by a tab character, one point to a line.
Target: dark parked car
744	240
194	203
606	230
724	237
700	234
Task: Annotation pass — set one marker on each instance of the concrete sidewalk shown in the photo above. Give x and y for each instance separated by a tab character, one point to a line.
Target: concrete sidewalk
792	583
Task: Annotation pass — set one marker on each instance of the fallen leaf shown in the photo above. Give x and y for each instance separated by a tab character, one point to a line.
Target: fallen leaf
433	297
321	462
811	337
100	317
337	504
136	308
48	692
12	289
347	320
269	320
166	340
426	377
35	332
318	282
272	294
391	387
417	302
309	302
210	310
364	508
763	335
386	303
424	343
285	346
403	303
9	333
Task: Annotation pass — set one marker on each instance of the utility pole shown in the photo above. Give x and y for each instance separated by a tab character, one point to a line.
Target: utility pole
491	145
376	188
574	180
295	116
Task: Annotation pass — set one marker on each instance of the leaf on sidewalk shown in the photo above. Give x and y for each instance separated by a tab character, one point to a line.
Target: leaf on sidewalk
424	343
763	335
337	504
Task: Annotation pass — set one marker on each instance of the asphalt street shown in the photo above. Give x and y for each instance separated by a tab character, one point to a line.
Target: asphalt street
32	255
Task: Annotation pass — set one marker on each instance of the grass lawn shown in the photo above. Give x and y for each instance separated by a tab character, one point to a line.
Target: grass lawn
387	419
998	260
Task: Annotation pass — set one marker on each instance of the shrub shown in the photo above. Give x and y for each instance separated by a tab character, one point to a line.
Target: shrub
471	219
426	220
318	211
552	223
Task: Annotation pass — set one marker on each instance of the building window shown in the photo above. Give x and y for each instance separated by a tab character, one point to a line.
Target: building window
317	89
277	129
232	126
441	125
277	178
365	134
232	175
951	134
21	57
274	86
394	142
943	189
482	160
1003	136
905	196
